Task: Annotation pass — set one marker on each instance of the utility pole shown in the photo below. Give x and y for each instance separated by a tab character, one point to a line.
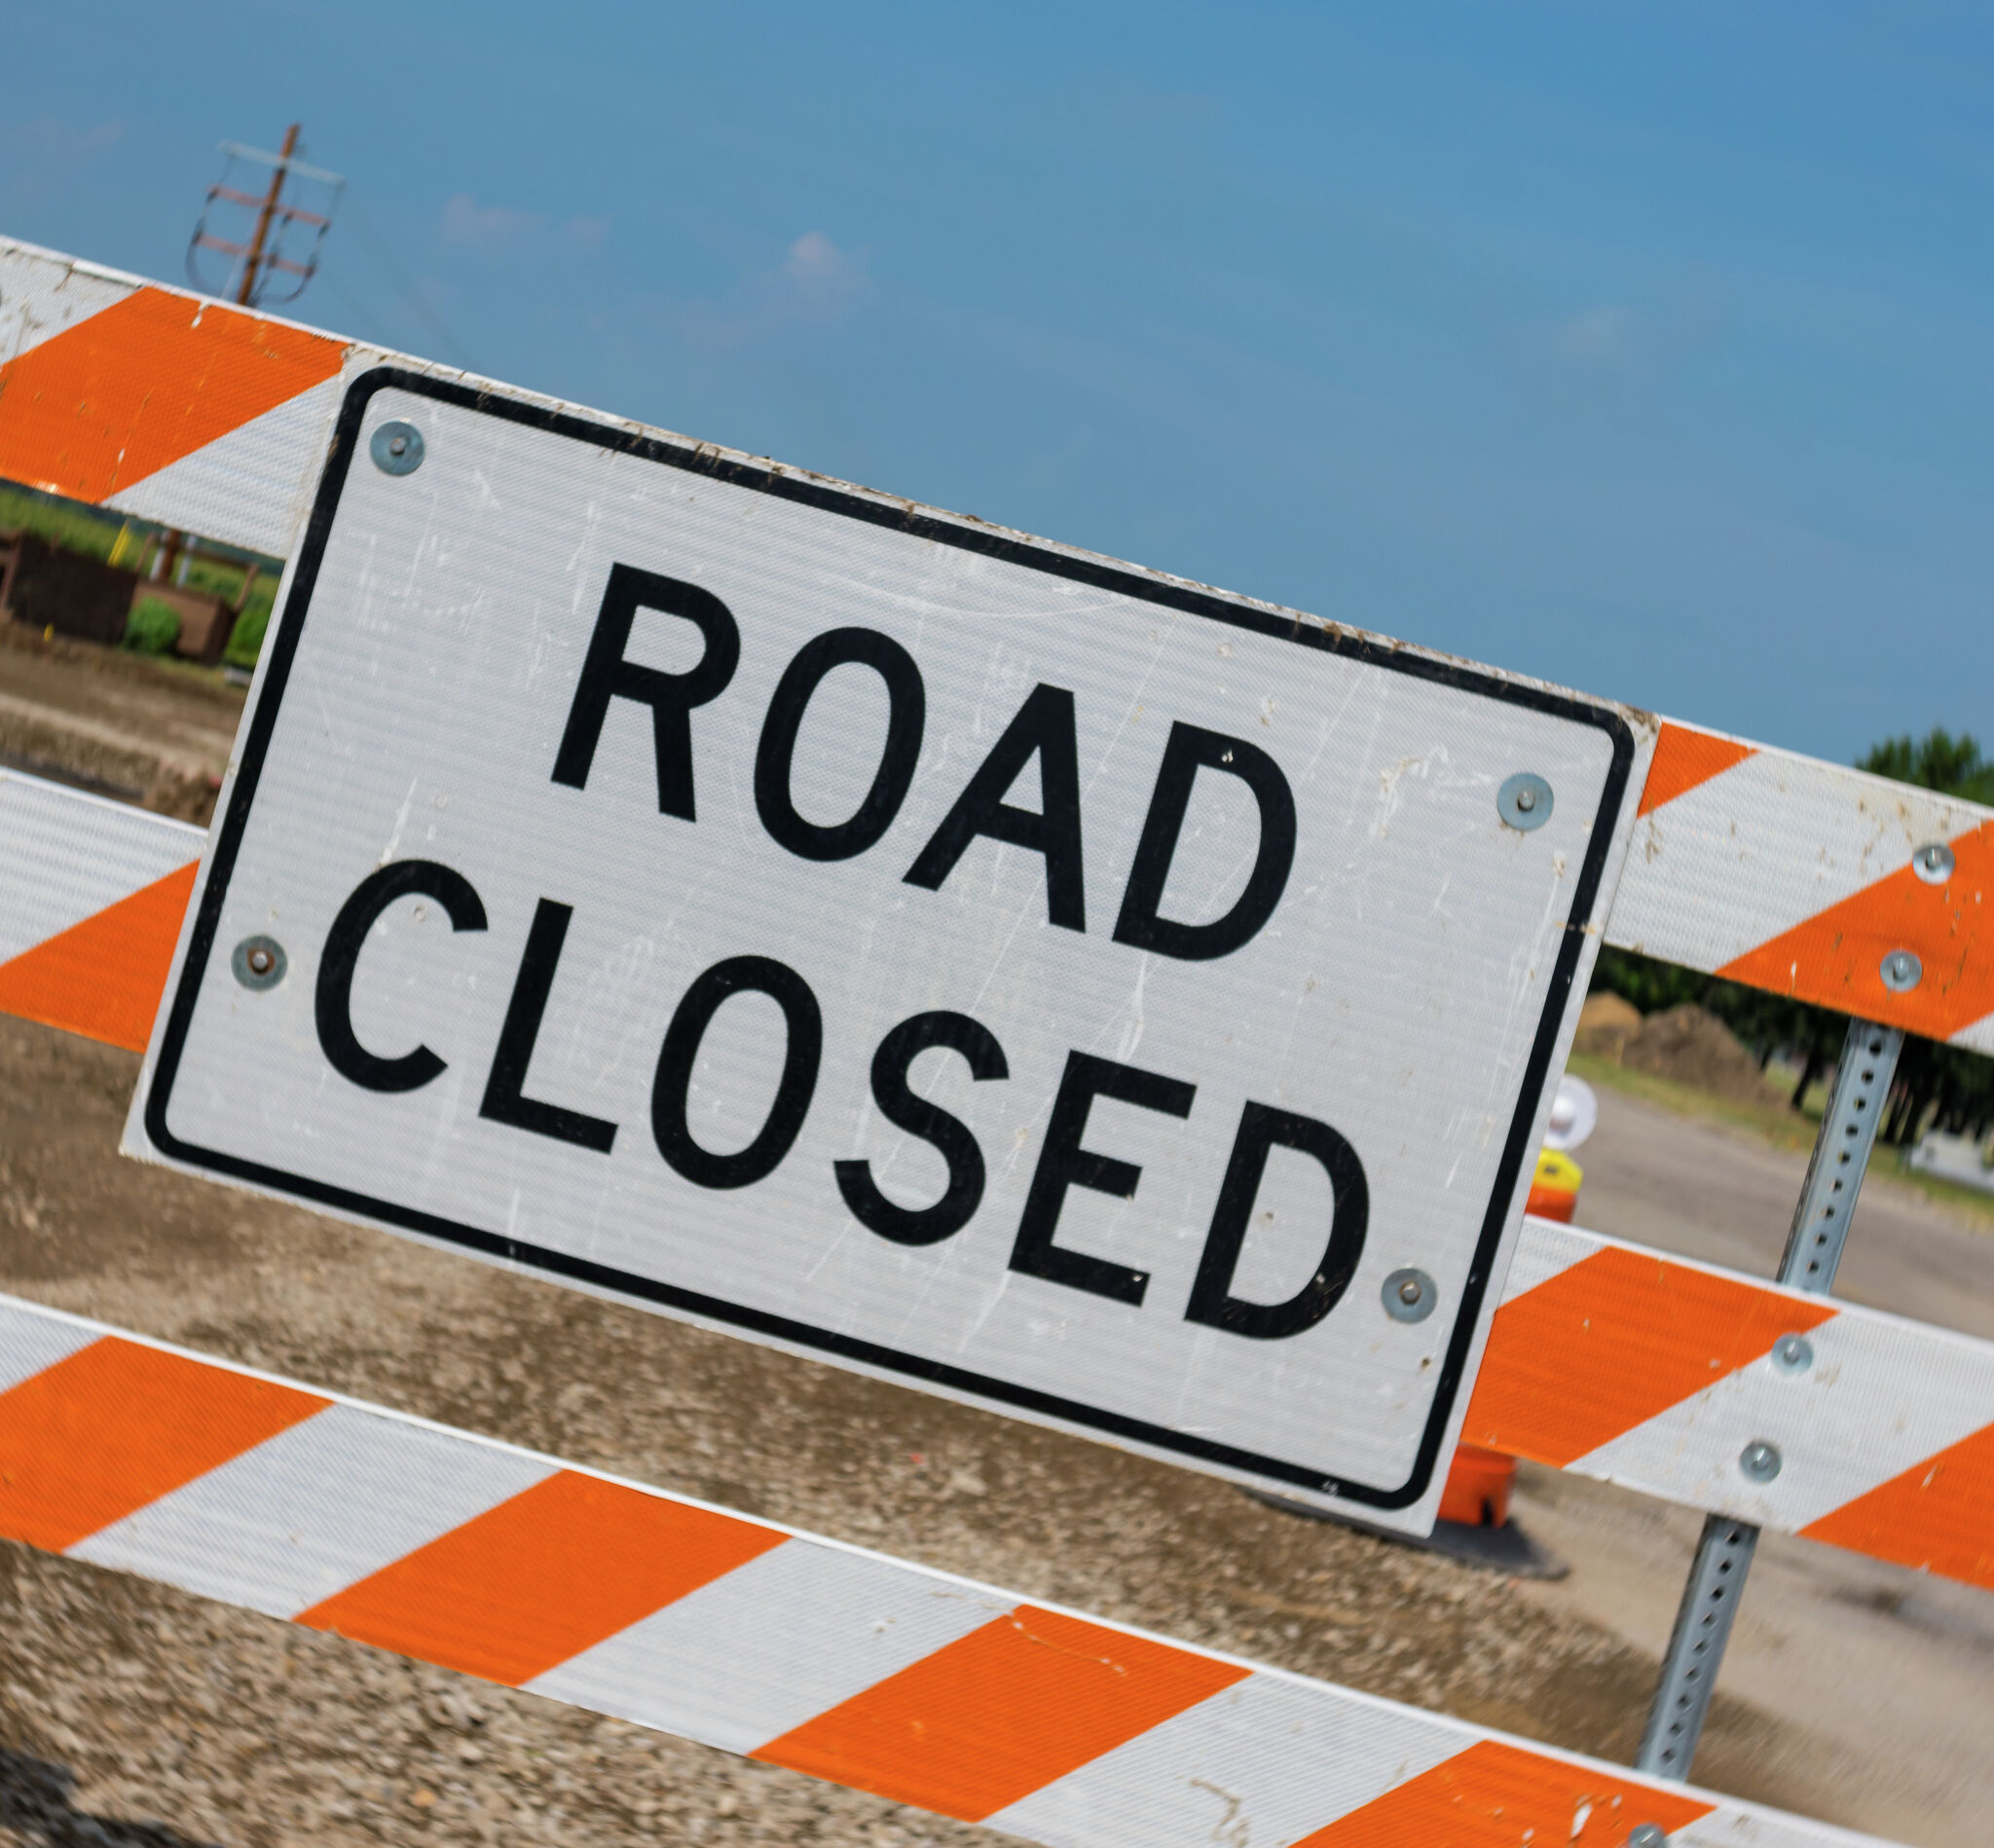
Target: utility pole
283	238
262	257
245	292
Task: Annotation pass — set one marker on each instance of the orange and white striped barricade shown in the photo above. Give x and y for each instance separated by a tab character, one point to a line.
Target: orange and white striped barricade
1885	1427
1764	1405
919	1686
1768	867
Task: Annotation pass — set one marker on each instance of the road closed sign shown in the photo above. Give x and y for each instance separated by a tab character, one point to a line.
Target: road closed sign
973	962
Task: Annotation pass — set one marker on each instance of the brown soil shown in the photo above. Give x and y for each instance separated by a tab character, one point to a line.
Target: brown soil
122	1701
155	732
1606	1024
1692	1046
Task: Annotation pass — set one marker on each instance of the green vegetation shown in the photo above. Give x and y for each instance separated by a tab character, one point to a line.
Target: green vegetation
1953	766
246	640
1783	1129
129	543
152	628
65	523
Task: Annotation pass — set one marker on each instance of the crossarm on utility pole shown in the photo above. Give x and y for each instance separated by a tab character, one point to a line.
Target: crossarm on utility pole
245	292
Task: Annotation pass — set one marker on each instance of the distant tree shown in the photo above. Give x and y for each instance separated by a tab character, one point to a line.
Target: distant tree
1953	766
1651	985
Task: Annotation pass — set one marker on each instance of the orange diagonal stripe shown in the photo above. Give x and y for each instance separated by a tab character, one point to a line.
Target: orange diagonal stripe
103	977
1685	757
1495	1795
1000	1714
1835	958
116	1425
1938	1516
144	383
540	1578
1610	1343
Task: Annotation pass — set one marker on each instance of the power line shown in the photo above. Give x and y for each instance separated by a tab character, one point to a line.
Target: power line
397	279
368	322
258	254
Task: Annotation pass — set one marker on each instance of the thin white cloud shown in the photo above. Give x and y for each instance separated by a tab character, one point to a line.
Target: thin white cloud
816	285
43	156
505	232
819	270
1602	339
53	144
1612	346
467	222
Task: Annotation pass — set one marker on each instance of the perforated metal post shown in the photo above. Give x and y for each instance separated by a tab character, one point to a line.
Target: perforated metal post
1696	1646
1841	1154
1813	1250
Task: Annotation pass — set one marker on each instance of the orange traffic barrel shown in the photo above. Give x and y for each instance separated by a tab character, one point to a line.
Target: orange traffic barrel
1554	1188
1478	1487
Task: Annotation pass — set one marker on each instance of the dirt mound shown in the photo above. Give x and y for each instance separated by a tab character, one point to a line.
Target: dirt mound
1606	1024
1692	1046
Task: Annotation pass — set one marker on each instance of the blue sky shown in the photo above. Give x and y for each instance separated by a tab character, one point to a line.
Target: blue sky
1644	347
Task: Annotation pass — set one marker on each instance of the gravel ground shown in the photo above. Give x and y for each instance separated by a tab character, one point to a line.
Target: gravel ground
132	1713
157	733
154	1718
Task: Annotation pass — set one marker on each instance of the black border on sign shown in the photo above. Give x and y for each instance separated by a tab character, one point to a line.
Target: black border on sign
827	498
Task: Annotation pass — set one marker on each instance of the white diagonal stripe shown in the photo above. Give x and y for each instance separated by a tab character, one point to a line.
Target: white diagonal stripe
772	1643
32	1342
1764	847
311	1510
1545	1249
253	484
1266	1760
43	294
1880	1396
70	854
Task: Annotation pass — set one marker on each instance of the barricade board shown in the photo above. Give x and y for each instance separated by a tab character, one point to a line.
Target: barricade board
1771	868
953	1696
972	961
1885	1427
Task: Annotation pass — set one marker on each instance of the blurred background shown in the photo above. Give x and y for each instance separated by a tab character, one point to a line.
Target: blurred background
1641	349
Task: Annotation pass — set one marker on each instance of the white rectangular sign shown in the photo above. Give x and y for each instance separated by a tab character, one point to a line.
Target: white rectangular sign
1045	982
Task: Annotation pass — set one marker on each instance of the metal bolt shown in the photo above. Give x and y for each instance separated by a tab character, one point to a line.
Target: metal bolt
1933	863
1524	802
1793	1354
1902	971
258	962
396	448
1409	1296
1759	1461
1647	1836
